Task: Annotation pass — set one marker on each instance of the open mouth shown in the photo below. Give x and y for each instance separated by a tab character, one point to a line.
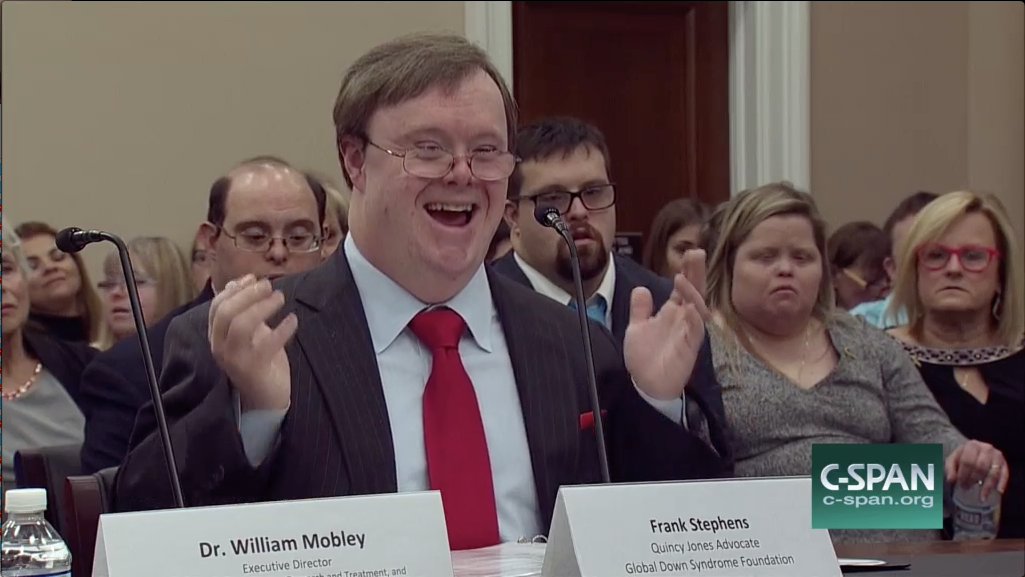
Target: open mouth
451	214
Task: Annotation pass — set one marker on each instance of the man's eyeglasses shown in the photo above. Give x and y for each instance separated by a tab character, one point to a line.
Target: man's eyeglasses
935	256
297	242
436	162
597	197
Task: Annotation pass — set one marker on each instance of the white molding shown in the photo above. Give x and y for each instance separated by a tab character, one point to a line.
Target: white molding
489	24
769	84
769	93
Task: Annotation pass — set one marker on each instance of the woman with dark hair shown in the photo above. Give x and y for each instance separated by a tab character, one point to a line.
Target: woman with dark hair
857	251
64	302
675	230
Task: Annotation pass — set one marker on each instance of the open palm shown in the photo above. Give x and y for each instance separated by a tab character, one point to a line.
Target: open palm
661	349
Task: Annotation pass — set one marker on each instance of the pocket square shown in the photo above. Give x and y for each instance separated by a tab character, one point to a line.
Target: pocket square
587	420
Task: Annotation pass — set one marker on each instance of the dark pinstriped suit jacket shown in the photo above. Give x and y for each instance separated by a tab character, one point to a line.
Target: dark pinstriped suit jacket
336	439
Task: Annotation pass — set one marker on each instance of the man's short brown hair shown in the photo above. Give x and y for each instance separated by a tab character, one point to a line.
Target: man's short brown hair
405	68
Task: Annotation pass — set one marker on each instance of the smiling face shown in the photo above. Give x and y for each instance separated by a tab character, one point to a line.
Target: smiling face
430	235
54	279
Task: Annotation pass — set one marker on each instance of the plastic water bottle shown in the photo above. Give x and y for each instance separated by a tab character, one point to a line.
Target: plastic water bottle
30	546
975	518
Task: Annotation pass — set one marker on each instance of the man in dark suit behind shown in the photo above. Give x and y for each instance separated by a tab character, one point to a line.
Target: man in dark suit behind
565	164
319	385
260	198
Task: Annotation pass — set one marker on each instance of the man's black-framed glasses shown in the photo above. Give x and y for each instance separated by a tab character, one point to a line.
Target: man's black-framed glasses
595	197
254	241
436	162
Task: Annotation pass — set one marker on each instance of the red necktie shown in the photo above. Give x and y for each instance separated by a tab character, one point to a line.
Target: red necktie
457	452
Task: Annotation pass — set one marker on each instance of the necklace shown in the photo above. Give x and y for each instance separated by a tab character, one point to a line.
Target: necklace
28	384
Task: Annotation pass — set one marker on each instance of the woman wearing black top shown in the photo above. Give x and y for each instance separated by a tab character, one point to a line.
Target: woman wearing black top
961	283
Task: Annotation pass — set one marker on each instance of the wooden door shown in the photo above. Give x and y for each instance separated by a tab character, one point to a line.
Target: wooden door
653	76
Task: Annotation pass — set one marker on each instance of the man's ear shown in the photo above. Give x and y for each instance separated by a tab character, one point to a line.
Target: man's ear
511	215
352	155
206	238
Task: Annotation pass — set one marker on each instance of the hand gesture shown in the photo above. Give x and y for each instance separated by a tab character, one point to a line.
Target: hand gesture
249	352
978	462
661	350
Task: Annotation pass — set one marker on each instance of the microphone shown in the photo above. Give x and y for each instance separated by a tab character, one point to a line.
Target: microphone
74	239
549	216
71	240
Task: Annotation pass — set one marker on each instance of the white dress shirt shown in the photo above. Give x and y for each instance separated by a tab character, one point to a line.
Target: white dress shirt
543	285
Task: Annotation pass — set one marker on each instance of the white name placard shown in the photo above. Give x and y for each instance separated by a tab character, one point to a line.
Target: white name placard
726	528
395	535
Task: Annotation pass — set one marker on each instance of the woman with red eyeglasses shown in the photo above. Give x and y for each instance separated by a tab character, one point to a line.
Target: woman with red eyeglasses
961	284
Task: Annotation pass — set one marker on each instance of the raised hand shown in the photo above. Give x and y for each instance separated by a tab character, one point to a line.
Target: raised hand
250	353
661	350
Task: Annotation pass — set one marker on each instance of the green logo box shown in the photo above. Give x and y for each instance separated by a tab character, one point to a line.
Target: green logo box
885	486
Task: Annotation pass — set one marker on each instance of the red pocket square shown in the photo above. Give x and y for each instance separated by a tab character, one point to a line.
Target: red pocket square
587	420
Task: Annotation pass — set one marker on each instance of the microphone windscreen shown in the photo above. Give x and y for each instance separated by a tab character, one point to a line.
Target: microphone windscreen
545	215
65	240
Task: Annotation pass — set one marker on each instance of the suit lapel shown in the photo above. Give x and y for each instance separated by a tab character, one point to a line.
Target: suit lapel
546	390
621	301
335	339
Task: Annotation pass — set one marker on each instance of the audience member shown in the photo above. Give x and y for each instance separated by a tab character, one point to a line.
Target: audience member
564	164
856	254
40	371
336	216
424	127
163	282
263	219
501	244
895	227
200	266
794	373
710	229
64	301
675	230
961	283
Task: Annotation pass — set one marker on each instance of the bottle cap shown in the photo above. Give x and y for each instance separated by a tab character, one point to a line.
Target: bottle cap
25	501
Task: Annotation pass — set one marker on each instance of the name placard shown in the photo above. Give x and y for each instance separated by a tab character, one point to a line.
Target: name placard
726	528
395	535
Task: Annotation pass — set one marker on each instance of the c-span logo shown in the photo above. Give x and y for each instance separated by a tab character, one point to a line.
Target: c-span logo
888	486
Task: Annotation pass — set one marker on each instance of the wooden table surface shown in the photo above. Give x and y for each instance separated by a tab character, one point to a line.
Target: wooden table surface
874	550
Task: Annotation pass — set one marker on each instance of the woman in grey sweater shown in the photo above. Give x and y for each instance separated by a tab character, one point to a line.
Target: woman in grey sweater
795	373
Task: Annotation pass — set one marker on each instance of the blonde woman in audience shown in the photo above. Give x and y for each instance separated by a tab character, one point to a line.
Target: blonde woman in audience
64	301
796	373
961	283
163	280
336	215
41	373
